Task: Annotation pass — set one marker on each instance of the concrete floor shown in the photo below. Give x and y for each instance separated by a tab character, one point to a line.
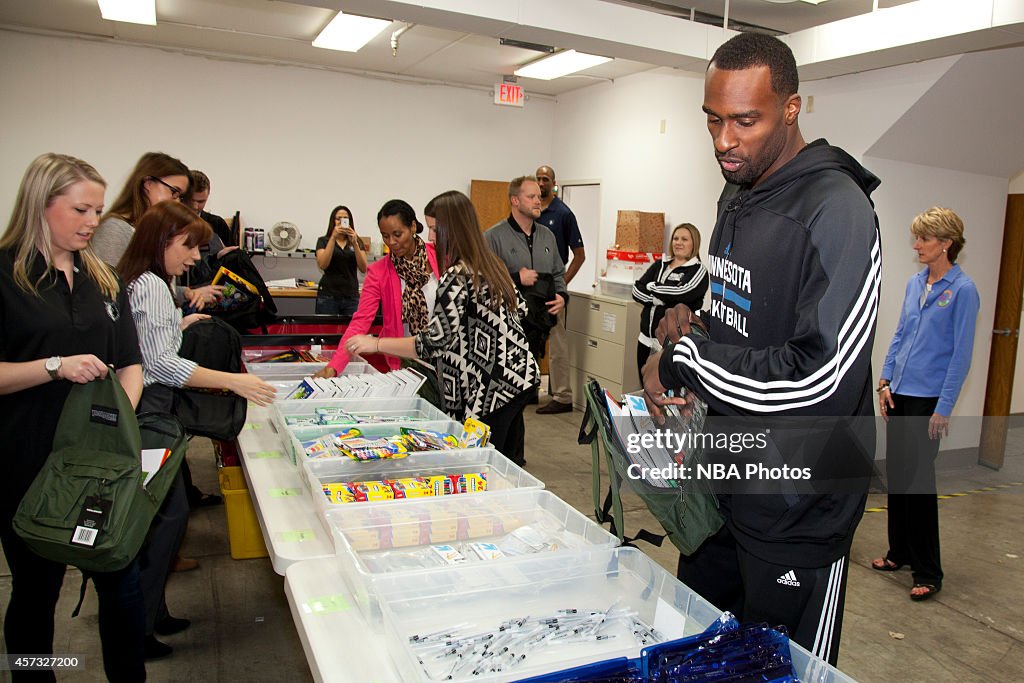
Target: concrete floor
972	631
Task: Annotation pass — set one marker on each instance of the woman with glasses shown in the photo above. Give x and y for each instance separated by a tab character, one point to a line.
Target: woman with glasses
157	177
474	335
402	286
339	254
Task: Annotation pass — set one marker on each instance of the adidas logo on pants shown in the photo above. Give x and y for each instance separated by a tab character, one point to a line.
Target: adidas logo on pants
788	579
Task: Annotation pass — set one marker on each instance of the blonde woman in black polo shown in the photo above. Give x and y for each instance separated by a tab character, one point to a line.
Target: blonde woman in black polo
64	318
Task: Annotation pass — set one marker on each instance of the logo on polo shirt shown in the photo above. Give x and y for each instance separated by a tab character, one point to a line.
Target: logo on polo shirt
944	298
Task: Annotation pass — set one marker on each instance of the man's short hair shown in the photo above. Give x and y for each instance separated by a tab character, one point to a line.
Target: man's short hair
748	50
200	181
517	183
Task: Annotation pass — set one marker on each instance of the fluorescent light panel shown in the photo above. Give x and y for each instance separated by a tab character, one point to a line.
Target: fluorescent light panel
349	33
560	64
131	11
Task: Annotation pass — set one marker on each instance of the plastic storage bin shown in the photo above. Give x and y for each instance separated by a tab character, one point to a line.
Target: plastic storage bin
373	539
244	534
501	473
293	437
280	371
478	598
364	409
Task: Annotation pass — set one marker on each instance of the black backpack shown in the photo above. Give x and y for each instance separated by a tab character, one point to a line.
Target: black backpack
259	312
216	345
88	507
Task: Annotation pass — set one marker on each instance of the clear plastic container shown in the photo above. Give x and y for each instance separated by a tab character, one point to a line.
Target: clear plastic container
293	437
478	598
364	410
374	539
500	473
282	371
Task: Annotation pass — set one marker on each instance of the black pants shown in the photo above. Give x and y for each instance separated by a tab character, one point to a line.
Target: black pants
643	352
913	504
167	530
809	602
35	589
508	431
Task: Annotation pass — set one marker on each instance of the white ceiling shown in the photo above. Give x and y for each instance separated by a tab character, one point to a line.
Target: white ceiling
450	43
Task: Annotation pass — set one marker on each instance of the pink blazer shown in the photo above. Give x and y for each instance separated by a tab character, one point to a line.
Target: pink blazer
382	288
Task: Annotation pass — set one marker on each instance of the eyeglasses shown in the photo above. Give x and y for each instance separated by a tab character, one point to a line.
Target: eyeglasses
175	192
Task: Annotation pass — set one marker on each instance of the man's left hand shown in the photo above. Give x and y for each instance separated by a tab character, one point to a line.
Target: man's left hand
654	391
556	304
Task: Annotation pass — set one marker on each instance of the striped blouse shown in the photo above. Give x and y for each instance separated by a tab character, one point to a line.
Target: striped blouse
158	323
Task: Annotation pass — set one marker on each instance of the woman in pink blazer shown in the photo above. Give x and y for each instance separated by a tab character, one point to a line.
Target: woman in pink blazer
402	286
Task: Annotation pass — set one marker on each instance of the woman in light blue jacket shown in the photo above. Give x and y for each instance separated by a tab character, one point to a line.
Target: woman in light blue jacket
924	371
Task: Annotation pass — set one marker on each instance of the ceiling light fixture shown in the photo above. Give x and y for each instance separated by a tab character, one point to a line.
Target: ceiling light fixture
131	11
560	64
349	33
787	2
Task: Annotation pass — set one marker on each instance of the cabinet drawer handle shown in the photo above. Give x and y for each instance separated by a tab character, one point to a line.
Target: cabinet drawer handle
592	343
594	306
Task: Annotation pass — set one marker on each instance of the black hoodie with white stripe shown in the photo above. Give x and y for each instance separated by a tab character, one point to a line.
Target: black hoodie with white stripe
795	267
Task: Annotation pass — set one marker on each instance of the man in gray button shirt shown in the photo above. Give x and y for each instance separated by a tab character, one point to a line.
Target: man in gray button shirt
530	252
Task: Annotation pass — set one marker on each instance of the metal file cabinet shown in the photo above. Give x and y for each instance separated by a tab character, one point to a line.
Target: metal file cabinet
602	334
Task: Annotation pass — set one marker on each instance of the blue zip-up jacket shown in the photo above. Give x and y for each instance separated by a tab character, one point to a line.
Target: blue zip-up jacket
930	353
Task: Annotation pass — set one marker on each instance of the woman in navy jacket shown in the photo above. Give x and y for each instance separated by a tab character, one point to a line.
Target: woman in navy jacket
924	370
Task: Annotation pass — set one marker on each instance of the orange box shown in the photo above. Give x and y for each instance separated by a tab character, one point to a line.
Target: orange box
640	231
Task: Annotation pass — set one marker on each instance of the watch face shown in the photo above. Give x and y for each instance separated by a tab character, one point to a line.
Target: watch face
52	364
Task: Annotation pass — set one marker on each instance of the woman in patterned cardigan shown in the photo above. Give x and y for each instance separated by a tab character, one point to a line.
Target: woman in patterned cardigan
474	336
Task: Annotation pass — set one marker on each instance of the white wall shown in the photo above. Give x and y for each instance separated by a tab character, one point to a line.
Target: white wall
1017	183
610	131
278	142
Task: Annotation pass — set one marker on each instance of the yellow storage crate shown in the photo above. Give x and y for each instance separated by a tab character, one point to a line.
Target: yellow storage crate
243	528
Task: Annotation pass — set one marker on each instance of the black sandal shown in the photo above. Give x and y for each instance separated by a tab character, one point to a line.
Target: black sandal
932	590
887	565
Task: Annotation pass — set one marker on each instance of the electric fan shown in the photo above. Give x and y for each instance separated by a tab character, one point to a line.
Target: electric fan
284	236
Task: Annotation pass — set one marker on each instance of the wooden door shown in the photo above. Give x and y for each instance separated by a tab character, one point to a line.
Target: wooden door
1006	332
490	198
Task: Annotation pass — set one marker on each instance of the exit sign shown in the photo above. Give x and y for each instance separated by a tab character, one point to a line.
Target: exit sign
509	94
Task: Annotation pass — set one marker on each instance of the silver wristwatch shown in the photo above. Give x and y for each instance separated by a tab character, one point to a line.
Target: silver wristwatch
53	366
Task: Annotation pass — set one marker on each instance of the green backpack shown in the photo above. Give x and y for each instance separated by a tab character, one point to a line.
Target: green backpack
88	507
688	512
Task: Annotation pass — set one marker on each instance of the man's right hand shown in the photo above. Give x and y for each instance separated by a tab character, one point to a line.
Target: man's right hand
675	324
528	277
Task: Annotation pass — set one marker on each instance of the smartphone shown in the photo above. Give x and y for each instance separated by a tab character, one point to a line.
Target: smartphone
344	222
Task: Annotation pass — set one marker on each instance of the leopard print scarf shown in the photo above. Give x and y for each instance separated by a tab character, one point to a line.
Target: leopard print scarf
416	272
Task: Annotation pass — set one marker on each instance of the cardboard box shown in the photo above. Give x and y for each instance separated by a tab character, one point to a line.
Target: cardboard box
640	231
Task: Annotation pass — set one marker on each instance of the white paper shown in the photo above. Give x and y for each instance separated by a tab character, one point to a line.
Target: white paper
608	322
151	460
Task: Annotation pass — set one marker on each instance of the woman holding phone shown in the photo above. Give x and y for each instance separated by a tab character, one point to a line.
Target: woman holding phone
339	254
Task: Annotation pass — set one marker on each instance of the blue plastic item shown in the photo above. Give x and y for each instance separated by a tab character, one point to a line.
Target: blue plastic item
620	670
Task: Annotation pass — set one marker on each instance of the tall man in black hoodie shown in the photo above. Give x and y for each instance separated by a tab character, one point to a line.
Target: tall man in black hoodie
795	270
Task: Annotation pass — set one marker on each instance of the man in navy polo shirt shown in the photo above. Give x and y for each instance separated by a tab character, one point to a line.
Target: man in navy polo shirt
559	219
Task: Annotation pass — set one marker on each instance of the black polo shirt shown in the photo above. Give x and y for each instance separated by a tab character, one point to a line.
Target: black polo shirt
61	321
